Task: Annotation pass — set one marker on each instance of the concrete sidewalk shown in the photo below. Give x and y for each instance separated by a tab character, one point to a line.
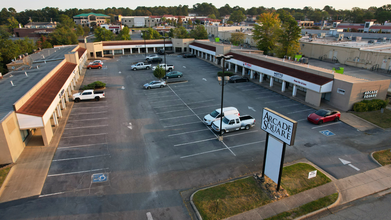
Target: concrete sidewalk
350	188
27	176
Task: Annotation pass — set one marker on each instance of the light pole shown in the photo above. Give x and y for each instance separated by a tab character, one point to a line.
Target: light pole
164	51
221	79
145	44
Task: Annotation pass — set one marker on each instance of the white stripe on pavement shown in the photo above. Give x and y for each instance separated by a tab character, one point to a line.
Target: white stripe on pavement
79	158
85	135
300	111
170	126
187	132
321	126
87	127
194	142
77	146
86	119
85	171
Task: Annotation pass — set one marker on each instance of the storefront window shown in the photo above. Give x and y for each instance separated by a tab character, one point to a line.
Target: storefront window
24	134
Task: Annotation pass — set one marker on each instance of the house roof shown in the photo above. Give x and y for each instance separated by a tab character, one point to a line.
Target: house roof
309	77
41	100
136	43
88	14
40	23
81	51
378	27
208	47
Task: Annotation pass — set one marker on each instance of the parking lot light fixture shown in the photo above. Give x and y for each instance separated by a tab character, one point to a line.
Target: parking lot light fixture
222	81
164	50
145	44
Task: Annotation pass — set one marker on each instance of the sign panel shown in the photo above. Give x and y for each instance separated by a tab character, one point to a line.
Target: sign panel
280	126
312	174
273	158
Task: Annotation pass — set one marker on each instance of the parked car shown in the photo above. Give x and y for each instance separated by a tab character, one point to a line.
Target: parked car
324	115
155	84
95	66
141	66
234	123
188	55
88	95
164	66
96	61
215	115
235	79
151	57
161	52
173	74
155	60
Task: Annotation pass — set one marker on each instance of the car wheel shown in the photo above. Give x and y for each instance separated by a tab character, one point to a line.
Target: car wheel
147	67
97	98
148	87
99	67
77	100
161	86
89	67
320	122
222	132
134	69
336	119
247	127
179	76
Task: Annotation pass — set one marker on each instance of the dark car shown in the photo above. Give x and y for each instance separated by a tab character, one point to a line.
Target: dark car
161	52
188	55
235	79
173	74
324	115
155	60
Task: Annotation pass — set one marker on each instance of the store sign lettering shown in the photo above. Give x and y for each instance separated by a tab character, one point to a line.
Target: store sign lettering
278	75
370	94
298	82
247	64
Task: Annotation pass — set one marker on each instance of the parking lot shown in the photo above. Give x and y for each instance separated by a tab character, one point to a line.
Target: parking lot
151	144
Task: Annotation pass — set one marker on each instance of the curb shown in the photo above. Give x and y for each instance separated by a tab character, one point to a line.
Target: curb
375	159
322	209
2	187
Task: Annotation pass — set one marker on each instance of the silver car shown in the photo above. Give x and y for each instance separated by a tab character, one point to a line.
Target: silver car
155	84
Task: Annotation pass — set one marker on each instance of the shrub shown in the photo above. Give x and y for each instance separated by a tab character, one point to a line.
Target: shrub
226	73
94	85
369	105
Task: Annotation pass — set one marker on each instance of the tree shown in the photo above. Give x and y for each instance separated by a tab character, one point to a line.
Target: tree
66	21
79	30
150	34
180	22
86	30
124	34
102	34
230	22
288	38
212	16
12	24
181	32
237	38
199	32
43	43
159	72
190	22
266	33
237	16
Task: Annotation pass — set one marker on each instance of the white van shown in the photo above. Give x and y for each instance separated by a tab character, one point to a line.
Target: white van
215	115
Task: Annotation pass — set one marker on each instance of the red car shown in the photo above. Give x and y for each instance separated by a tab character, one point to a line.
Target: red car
323	115
95	65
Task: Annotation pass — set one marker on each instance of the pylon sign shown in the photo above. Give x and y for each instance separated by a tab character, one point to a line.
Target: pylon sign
280	131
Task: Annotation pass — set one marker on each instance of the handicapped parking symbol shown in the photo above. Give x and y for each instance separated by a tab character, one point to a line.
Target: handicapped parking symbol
327	133
99	177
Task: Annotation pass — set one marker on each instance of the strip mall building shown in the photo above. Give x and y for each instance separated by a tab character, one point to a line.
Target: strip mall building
33	97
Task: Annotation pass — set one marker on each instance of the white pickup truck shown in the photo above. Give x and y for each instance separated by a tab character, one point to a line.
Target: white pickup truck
234	123
141	66
164	66
88	95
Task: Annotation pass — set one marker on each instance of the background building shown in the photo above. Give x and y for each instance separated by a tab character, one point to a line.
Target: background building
90	19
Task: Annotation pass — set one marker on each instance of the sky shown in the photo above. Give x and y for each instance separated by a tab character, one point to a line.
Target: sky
22	5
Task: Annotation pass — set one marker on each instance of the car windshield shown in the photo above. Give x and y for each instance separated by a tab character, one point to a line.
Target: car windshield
214	114
225	120
321	112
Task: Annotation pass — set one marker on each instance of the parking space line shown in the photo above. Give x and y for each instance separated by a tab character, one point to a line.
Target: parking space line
158	97
194	142
77	146
71	173
288	105
186	109
187	132
86	119
321	126
201	120
170	126
85	135
273	101
79	158
301	119
51	194
176	117
172	111
242	145
167	100
182	103
206	106
249	89
89	107
301	111
87	127
267	96
240	133
89	113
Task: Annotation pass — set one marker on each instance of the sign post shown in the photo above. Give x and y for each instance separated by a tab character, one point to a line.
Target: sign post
281	131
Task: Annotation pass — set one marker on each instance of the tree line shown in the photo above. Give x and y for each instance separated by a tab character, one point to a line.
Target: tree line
354	15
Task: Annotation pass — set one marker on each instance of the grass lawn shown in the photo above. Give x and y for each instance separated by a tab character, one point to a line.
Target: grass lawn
230	199
295	178
3	174
376	117
307	208
383	157
245	194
